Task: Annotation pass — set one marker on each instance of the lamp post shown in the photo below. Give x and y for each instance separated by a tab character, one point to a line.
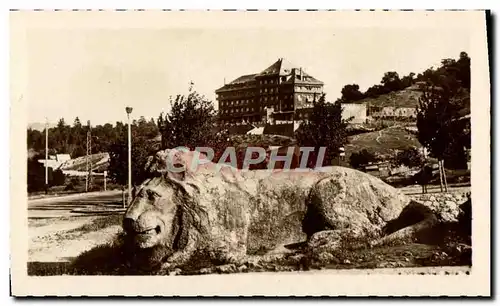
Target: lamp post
129	110
46	154
89	152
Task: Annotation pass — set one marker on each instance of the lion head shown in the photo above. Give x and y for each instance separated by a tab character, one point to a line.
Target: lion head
161	215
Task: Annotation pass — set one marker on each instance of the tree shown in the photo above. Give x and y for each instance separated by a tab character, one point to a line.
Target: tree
324	128
408	80
375	91
411	158
58	178
361	158
391	81
36	174
191	123
36	140
463	74
351	93
118	164
439	115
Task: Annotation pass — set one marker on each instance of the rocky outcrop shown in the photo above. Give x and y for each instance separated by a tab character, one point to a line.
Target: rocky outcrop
445	205
352	201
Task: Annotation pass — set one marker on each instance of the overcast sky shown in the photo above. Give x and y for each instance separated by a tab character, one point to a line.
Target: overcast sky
93	73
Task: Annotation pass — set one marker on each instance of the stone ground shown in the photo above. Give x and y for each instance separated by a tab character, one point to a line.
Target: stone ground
59	230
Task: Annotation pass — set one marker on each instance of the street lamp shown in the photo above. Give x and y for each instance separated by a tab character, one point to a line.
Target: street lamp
46	155
128	109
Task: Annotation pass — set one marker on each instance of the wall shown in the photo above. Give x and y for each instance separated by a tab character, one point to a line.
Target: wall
358	111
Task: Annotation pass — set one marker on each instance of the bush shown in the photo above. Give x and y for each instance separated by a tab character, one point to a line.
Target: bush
36	176
58	178
363	157
410	157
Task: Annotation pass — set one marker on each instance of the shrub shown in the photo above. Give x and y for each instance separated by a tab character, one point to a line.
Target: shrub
410	157
58	178
363	157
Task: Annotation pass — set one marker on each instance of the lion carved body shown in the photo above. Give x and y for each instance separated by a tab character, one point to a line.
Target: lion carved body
228	214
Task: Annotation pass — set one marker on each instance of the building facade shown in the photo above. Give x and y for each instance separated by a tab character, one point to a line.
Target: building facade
281	93
356	112
390	112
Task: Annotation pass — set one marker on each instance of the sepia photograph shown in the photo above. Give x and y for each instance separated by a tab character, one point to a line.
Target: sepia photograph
220	151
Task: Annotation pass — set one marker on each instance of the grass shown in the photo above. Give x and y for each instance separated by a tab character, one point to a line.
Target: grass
401	98
383	143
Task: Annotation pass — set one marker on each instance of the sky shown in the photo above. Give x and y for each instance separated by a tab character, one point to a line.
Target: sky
93	73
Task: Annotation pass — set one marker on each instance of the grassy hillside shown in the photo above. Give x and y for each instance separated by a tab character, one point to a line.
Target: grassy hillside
384	142
407	97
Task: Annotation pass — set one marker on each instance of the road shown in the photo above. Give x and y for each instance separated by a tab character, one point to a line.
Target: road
73	205
57	225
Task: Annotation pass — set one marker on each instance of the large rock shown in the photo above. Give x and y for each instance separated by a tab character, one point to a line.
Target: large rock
353	201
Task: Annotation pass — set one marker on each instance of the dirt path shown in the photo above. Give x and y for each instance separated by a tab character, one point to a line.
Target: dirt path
62	240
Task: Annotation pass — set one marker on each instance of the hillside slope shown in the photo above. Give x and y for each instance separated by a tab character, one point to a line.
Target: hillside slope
407	97
384	142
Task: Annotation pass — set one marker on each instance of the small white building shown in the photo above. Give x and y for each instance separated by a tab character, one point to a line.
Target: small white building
55	161
356	111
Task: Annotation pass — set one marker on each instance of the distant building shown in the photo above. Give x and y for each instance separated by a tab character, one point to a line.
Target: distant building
55	161
377	112
379	169
280	93
357	111
62	157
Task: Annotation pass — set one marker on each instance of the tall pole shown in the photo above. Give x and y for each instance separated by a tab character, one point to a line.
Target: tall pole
129	110
46	154
89	153
87	158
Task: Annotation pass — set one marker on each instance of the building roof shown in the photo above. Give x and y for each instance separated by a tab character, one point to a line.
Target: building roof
243	79
63	157
306	79
281	67
238	81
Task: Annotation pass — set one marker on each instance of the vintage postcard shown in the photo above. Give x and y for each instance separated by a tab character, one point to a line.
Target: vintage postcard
250	153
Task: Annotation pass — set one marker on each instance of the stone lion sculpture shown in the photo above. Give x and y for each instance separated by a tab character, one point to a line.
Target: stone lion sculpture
228	214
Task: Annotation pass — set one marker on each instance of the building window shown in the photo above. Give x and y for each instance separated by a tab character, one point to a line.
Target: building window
247	109
283	78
